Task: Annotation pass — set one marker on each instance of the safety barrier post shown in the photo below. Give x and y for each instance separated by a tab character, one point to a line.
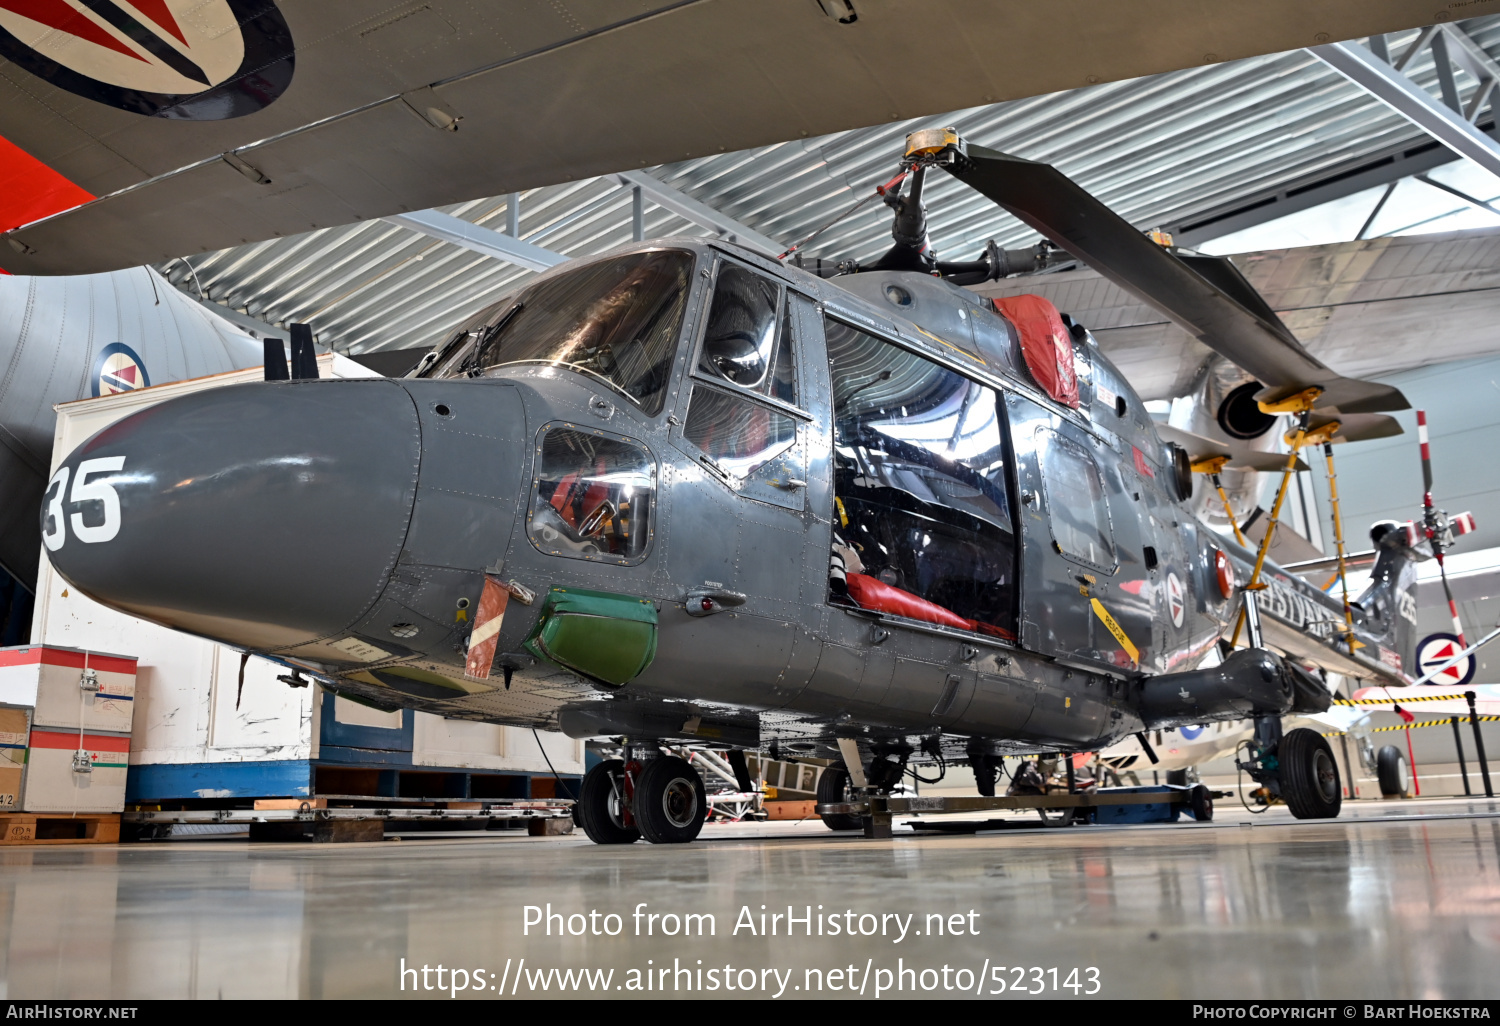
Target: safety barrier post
1458	742
1484	765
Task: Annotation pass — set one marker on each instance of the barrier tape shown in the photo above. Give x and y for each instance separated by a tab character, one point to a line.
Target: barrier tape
1399	701
1414	726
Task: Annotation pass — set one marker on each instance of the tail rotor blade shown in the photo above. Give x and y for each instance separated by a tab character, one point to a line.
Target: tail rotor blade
1426	457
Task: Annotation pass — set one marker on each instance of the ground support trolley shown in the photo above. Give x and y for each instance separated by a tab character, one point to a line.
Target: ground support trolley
877	812
312	820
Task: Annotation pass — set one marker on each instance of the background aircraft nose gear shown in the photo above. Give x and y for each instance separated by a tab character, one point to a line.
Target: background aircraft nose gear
834	788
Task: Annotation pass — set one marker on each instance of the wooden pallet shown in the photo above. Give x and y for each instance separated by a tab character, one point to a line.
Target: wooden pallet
59	828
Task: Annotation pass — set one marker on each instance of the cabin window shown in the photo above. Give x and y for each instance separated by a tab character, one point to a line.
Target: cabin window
593	496
615	320
923	506
748	342
1076	504
739	436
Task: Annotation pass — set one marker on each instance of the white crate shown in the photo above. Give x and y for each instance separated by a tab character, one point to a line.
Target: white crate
56	780
52	679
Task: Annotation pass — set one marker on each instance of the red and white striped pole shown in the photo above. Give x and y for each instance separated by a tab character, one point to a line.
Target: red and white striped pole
1429	524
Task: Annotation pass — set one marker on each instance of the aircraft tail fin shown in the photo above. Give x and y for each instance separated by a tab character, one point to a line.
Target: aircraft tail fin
1390	602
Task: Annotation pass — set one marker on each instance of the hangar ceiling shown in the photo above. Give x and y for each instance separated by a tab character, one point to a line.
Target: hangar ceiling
1173	150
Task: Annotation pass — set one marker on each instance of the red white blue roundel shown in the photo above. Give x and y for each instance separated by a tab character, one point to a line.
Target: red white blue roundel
187	60
118	369
1435	650
1175	604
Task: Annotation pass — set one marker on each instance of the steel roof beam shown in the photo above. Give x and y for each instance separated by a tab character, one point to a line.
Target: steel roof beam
478	239
683	205
1447	124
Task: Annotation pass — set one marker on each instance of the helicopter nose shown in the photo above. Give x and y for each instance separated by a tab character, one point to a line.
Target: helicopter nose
265	515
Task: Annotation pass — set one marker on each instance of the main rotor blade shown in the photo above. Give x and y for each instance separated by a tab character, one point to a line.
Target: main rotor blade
1207	296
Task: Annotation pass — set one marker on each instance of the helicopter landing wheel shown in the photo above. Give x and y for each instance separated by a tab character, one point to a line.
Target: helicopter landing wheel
1310	783
601	805
833	789
670	801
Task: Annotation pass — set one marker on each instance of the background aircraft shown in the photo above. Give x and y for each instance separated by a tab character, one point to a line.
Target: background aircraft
181	127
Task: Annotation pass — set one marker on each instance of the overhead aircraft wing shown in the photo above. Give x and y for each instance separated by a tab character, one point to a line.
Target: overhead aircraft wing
202	124
1205	295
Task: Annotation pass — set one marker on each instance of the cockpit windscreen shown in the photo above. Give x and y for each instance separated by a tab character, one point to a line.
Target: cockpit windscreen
615	320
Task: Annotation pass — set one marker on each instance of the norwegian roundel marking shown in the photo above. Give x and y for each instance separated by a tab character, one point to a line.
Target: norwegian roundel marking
1175	603
1435	650
187	60
119	369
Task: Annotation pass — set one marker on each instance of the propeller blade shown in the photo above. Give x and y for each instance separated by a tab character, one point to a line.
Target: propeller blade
1205	295
1430	521
1426	455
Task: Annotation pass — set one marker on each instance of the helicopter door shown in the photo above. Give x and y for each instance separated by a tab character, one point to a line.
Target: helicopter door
1083	592
736	518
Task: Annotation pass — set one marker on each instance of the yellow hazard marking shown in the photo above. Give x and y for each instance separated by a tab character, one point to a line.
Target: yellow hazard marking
1414	726
1115	629
1402	700
462	616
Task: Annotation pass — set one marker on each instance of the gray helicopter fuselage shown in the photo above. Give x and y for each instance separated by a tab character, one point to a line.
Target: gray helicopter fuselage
348	527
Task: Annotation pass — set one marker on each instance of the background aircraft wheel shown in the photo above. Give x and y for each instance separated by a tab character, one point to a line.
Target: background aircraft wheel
1390	770
670	802
1178	778
833	786
1201	803
601	805
1310	783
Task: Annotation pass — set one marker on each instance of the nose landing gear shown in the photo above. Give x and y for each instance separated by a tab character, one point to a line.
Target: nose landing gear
658	797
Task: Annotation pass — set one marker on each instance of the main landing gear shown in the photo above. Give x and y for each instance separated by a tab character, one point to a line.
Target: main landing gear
646	794
1297	767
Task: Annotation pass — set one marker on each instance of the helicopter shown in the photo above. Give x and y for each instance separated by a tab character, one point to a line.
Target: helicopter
689	493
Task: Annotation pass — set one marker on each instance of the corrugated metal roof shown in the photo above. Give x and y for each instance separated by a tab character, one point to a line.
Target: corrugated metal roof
1156	150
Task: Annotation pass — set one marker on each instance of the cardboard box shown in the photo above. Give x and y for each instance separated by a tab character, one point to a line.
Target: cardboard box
51	679
73	772
15	734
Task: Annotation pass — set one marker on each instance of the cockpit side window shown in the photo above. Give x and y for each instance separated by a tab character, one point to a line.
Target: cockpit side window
748	341
615	320
923	504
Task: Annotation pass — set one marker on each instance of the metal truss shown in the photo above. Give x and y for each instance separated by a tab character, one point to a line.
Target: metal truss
1451	118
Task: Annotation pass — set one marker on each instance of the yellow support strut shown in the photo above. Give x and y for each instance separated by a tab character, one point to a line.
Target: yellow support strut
1211	466
1301	406
1338	539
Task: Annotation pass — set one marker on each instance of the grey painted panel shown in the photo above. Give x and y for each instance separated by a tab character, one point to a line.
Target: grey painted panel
228	495
471	486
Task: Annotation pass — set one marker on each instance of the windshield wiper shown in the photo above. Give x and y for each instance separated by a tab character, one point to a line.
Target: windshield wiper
472	363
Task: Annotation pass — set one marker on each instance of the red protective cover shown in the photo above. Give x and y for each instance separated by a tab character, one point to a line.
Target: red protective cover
1045	343
881	597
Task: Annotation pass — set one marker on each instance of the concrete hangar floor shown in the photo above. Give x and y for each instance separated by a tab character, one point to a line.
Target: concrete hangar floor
1395	899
